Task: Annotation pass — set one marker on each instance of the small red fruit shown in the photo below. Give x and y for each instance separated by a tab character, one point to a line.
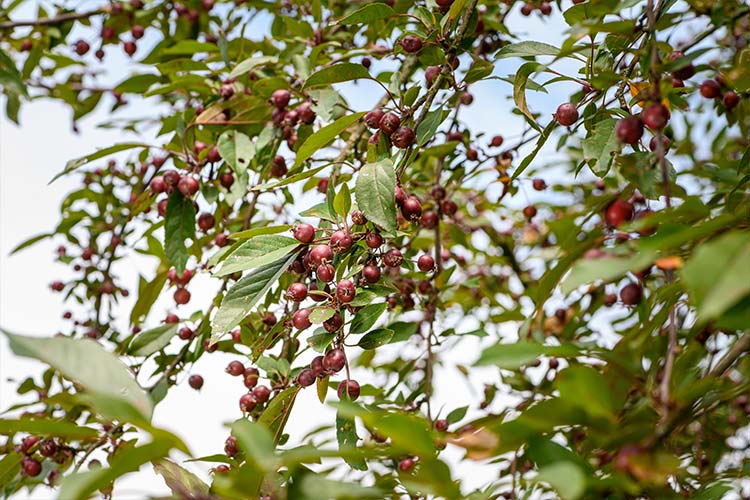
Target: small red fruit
403	137
393	258
617	212
389	123
304	233
206	221
301	319
629	130
710	89
334	360
373	240
567	114
441	425
226	179
280	98
345	291
320	254
31	467
371	273
297	292
631	294
730	100
655	116
341	241
81	47
373	118
412	209
129	47
261	393
188	186
181	296
411	44
407	464
235	368
348	389
195	381
306	377
247	403
426	263
334	323
529	211
325	272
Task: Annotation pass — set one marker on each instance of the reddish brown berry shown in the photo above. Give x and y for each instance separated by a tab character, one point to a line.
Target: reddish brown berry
316	365
629	130
373	240
341	241
306	113
129	47
730	100
389	123
449	207
304	233
371	273
425	263
81	47
247	403
280	98
250	377
539	184
296	292
617	212
31	467
393	258
301	319
306	377
567	114
188	186
185	333
334	360
137	31
403	137
348	389
664	140
47	448
430	220
206	221
345	291
334	323
529	212
181	296
411	44
373	118
325	272
631	294
710	89
412	209
431	73
686	71
261	393
407	464
235	368
278	167
195	381
358	218
441	425
655	116
320	254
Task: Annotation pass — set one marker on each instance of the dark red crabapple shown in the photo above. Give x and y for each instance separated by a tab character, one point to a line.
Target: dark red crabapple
348	389
389	123
403	137
373	240
371	273
235	368
28	443
393	258
129	47
685	72
306	378
539	184
304	233
171	178
247	403
412	209
250	377
278	167
280	98
226	91
567	114
629	130
188	186
301	319
454	136
358	218
341	241
411	44
545	8
449	207
26	45
430	220
57	286
334	323
230	446
306	113
31	467
655	116
195	381
334	360
631	294
526	10
431	73
261	393
407	464
181	296
137	31
664	140
220	469
529	211
316	365
497	141
325	272
185	333
320	254
466	98
206	221
158	185
399	195
441	425
345	291
366	62
213	155
372	119
472	154
296	292
226	179
710	89
425	263
221	240
81	47
617	212
730	100
172	318
47	448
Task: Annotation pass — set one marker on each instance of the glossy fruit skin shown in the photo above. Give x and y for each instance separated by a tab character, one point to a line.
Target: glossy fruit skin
185	333
412	209
316	365
352	390
411	44
631	294
171	178
449	207
306	377
389	123
403	137
278	167
320	254
730	100
539	184
655	116
325	272
226	179
235	368
441	425
358	218
28	443
296	292
371	273
334	323
250	377
710	89
181	296
304	233
426	263
137	31
406	465
341	241
196	382
617	212
431	73
664	140
280	98
129	47
261	393
529	211
373	240
188	186
372	118
567	114
334	360
47	448
230	446
206	221
306	113
247	403
301	319
393	258
31	467
629	130
430	220
81	47
345	291
157	184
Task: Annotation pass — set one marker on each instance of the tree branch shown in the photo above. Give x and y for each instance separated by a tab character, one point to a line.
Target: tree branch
51	21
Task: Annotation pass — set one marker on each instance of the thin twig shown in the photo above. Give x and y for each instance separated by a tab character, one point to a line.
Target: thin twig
51	21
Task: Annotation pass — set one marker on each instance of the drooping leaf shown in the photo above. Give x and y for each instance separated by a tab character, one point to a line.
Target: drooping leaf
376	338
342	72
370	12
367	317
514	356
47	427
236	149
79	162
150	341
256	252
519	90
277	412
178	227
566	478
346	435
181	481
527	49
374	192
324	136
600	145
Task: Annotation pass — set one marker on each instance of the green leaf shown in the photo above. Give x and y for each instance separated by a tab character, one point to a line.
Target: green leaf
514	356
86	362
342	202
343	72
527	49
47	427
148	292
81	485
407	432
256	252
323	137
79	162
137	83
539	144
717	275
376	338
519	90
242	297
367	317
606	269
368	13
577	380
320	341
250	63
181	481
321	314
566	478
427	128
346	435
599	146
457	415
321	384
277	412
374	191
150	341
315	486
10	466
256	442
31	241
236	149
178	227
